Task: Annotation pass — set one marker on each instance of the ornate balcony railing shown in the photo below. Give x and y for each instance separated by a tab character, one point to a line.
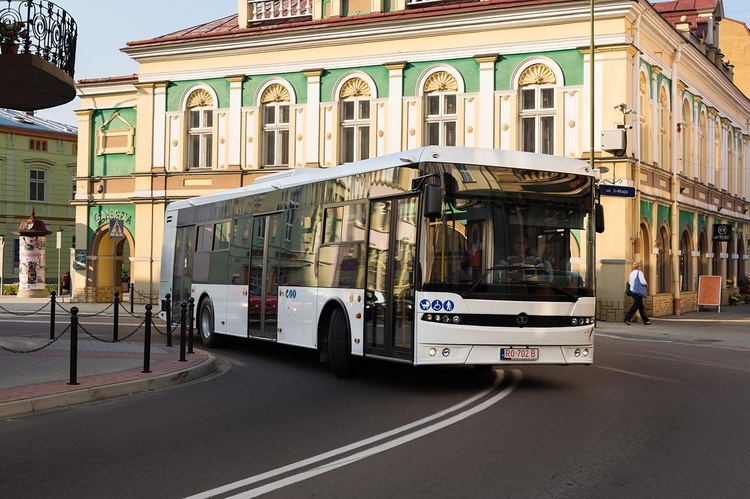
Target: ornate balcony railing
39	28
263	10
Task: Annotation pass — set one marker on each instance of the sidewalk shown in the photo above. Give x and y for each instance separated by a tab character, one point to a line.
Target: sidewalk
39	380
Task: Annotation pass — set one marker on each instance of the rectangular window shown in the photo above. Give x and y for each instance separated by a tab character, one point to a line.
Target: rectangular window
441	124
200	138
355	129
37	185
537	119
205	238
221	236
275	135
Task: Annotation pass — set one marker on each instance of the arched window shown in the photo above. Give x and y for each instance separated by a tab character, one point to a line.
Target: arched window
275	107
646	250
537	109
717	153
703	268
663	262
664	123
355	97
441	115
716	270
686	130
702	172
686	262
644	118
731	264
200	112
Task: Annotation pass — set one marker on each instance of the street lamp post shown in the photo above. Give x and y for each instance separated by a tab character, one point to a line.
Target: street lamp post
2	262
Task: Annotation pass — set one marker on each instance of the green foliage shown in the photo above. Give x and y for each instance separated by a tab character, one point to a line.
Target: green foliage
735	299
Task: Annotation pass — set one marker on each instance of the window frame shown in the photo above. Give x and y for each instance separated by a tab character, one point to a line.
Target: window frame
38	182
276	129
205	134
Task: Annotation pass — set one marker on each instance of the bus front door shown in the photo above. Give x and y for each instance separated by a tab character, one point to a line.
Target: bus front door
389	297
264	277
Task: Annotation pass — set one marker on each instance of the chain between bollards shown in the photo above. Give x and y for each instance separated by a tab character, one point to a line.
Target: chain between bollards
73	346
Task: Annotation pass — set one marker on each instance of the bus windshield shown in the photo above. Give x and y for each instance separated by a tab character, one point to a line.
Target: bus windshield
512	234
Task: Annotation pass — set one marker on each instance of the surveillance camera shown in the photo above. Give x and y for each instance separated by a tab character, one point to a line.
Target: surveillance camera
621	106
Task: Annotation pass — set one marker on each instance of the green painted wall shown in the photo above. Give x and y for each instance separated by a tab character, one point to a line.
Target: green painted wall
112	164
663	216
176	90
330	79
100	215
468	68
250	87
646	212
570	62
686	219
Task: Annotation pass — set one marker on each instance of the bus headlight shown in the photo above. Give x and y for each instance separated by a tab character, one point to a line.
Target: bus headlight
432	352
446	352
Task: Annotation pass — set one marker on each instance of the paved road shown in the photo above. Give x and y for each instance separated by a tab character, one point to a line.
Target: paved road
662	413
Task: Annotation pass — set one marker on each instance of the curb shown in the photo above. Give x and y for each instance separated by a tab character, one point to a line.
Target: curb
91	394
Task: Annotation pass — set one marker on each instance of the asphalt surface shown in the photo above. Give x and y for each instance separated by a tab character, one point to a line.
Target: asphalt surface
36	373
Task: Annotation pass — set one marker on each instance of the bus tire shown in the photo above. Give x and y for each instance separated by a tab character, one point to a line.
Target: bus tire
206	324
339	345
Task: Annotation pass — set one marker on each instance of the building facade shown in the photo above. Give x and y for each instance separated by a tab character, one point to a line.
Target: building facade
315	84
37	166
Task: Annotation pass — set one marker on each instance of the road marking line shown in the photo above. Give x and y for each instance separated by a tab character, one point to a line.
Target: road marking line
516	379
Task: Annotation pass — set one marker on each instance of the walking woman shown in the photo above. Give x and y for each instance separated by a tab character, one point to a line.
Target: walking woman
639	286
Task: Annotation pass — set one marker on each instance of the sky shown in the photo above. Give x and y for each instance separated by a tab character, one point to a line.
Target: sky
105	26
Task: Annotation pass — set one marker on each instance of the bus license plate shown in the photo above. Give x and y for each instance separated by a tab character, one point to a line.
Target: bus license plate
523	354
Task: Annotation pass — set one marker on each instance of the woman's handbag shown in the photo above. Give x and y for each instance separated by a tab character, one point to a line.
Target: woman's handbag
628	291
639	289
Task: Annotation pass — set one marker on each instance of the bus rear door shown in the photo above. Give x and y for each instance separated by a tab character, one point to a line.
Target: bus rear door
264	276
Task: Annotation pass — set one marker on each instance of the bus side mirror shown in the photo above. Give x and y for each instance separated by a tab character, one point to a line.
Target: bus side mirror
433	201
599	214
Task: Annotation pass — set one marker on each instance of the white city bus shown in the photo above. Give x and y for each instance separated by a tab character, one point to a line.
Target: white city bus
402	257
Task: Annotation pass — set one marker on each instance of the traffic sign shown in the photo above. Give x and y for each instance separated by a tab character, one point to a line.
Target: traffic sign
116	228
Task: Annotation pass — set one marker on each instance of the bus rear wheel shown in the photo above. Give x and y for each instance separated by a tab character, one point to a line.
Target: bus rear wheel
339	345
206	324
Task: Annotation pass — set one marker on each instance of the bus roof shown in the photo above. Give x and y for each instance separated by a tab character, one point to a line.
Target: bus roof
465	155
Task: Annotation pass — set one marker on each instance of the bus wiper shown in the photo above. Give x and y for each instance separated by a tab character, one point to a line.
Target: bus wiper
552	285
479	279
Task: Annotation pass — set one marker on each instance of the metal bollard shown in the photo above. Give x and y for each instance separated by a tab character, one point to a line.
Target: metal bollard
191	313
132	296
168	300
147	342
117	316
52	317
73	346
183	328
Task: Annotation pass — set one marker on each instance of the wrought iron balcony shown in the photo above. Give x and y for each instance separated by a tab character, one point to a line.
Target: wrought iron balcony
37	55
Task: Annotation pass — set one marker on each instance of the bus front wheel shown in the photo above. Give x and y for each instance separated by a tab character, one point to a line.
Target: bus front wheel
339	345
206	324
